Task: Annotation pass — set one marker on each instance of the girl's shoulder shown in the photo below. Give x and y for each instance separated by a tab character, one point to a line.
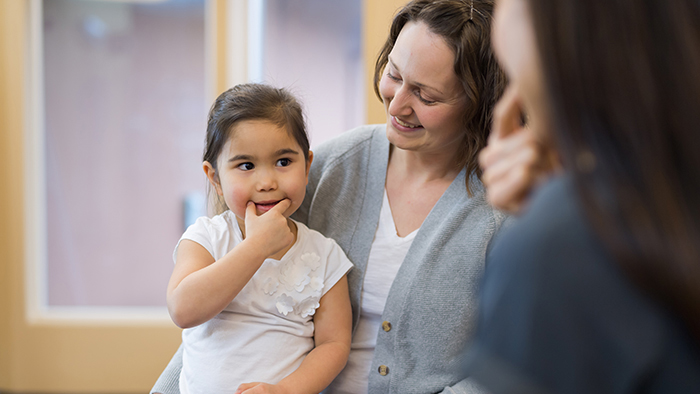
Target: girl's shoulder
218	225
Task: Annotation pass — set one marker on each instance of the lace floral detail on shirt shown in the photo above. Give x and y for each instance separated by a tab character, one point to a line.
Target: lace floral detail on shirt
307	306
270	286
295	275
316	284
285	304
299	278
311	260
270	283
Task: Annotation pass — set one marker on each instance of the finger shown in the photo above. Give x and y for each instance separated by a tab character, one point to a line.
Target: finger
250	210
507	114
245	386
281	206
257	389
526	157
509	193
487	156
503	149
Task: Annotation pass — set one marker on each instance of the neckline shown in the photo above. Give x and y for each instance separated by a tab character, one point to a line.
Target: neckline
387	215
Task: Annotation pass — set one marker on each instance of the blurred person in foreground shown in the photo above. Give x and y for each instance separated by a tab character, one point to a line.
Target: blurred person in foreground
596	289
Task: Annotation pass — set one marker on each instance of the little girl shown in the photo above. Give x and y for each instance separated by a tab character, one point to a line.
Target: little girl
262	298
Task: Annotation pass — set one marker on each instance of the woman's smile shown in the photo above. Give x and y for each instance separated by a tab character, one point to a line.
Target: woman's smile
405	124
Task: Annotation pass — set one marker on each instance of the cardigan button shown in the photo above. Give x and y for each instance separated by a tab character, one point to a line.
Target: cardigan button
386	326
383	370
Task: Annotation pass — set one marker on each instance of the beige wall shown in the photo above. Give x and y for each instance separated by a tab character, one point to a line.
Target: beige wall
12	13
376	21
74	357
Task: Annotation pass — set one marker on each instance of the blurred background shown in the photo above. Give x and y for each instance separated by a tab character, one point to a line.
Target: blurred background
103	109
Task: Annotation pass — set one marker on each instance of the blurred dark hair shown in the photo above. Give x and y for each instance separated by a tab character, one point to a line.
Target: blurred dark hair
468	33
623	82
252	101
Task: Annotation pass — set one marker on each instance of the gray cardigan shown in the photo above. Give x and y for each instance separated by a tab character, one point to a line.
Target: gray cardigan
432	302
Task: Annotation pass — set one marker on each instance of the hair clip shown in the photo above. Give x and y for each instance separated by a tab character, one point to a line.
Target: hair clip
471	11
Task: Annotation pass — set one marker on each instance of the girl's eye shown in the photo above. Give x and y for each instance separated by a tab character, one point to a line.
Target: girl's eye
245	166
283	162
393	77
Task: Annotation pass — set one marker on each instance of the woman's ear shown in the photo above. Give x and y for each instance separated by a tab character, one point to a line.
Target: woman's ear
213	177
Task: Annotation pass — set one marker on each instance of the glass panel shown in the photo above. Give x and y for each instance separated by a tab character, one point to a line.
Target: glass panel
125	111
314	47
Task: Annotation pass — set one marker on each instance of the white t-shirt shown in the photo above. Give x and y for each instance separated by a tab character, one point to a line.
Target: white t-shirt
385	258
266	331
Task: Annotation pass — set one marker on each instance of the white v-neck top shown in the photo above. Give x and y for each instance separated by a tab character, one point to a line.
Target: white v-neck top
385	257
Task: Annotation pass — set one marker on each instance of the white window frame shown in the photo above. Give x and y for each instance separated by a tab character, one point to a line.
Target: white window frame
245	18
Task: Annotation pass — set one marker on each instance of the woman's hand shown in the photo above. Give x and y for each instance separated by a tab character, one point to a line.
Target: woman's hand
270	231
260	388
514	162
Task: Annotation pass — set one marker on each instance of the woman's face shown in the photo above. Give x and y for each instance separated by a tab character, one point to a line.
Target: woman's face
515	47
424	100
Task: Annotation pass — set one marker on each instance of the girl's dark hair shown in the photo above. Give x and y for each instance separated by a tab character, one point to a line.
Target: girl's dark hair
466	28
253	101
622	79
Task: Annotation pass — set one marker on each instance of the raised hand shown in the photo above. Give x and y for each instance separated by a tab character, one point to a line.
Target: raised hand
514	161
269	231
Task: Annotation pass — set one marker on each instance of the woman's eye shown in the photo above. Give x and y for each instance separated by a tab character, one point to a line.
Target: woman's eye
393	77
424	100
245	166
283	162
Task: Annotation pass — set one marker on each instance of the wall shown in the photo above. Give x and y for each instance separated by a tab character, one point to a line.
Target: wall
12	13
377	16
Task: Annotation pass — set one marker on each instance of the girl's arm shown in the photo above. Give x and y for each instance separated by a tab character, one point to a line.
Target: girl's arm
200	288
333	333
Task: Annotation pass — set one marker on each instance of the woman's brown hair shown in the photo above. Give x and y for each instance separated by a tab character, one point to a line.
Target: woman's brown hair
623	82
466	28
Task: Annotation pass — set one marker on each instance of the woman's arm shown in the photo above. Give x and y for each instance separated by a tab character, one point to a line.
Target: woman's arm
332	334
200	288
169	380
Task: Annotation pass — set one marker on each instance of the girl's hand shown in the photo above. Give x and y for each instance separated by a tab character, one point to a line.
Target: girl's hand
514	162
260	388
269	231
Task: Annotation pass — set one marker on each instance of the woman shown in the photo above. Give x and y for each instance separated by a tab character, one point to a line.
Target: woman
596	288
405	203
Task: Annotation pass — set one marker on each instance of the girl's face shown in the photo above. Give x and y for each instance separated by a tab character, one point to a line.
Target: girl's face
424	100
262	163
515	47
